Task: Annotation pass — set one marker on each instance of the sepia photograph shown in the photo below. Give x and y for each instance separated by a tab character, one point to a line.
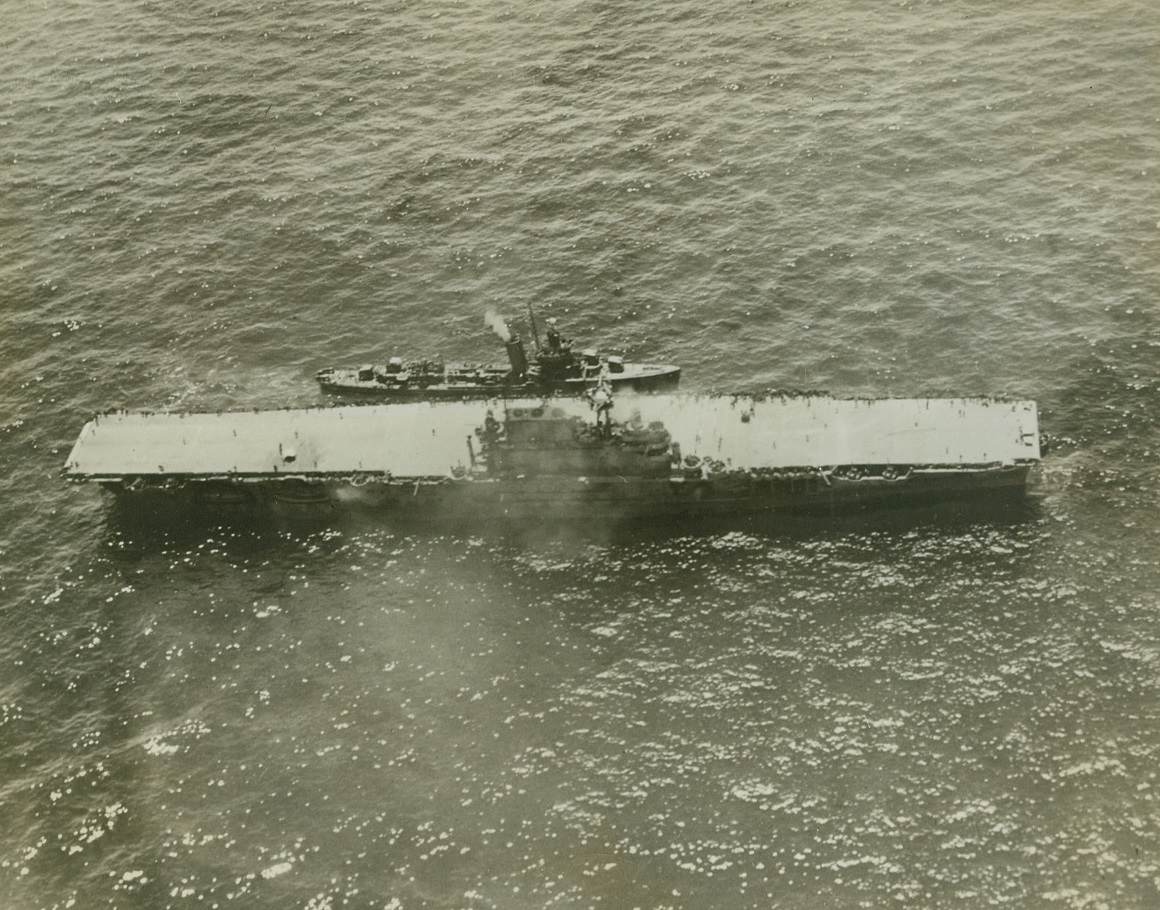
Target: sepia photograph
580	455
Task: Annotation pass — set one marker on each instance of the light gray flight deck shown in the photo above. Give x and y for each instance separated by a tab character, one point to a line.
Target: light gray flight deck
430	439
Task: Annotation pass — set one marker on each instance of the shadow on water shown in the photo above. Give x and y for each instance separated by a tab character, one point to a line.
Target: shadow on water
132	533
245	531
788	528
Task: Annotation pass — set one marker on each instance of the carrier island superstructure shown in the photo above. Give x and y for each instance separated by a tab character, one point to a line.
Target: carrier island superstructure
647	457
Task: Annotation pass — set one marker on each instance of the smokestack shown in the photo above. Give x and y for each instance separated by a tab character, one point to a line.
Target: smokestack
515	352
497	325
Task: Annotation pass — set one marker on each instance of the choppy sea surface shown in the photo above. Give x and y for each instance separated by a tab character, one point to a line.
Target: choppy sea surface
203	204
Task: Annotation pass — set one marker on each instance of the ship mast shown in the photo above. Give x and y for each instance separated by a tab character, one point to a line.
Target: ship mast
535	331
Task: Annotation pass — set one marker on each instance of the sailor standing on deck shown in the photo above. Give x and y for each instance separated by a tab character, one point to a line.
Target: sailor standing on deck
601	399
556	341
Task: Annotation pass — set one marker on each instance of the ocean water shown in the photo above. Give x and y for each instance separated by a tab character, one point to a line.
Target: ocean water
203	204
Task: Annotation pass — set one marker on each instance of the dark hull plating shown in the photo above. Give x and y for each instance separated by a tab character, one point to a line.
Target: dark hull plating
550	499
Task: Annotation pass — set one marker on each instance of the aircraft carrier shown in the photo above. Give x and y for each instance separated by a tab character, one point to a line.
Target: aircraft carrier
569	459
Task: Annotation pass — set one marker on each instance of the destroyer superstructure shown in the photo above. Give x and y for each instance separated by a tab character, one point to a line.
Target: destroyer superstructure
555	367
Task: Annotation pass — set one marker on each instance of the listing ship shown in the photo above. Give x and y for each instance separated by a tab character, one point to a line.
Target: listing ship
555	368
568	459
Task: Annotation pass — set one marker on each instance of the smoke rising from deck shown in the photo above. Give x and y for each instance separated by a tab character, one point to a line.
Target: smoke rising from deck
497	325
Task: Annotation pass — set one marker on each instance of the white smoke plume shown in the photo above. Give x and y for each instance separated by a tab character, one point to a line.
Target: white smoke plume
497	325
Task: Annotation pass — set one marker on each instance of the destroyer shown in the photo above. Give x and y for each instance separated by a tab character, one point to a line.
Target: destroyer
554	367
565	459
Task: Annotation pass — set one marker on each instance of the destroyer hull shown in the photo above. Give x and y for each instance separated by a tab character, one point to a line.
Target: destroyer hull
490	382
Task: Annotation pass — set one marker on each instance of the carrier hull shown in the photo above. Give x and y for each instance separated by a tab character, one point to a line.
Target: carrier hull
695	457
583	500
